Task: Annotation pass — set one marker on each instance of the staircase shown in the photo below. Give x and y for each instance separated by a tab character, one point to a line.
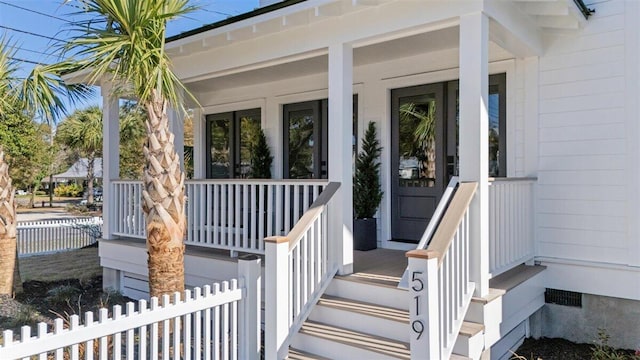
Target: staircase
368	318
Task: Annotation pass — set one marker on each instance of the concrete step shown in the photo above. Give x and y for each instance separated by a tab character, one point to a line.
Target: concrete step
339	343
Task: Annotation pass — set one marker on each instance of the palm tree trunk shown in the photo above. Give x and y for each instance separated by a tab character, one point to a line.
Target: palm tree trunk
163	200
7	229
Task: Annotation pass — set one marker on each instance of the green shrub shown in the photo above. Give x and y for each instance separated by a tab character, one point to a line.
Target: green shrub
71	190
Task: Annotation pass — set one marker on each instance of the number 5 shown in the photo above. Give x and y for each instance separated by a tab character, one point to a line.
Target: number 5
414	277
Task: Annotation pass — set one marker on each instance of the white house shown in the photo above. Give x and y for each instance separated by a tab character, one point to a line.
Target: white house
533	107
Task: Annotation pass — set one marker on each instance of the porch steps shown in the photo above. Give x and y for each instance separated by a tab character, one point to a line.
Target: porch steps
362	317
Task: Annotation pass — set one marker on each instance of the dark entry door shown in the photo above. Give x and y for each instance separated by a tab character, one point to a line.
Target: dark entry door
229	138
417	152
305	140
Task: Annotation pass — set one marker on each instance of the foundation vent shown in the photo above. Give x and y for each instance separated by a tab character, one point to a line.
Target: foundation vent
563	297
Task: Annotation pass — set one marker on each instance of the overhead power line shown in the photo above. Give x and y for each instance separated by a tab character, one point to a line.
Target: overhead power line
27	61
31	33
217	12
34	11
34	51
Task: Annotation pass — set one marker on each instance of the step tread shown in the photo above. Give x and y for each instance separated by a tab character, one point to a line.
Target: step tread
295	354
372	279
365	308
458	357
492	295
369	342
471	329
514	277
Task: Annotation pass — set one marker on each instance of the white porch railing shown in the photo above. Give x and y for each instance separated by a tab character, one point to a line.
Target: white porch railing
298	269
226	214
44	237
129	219
208	323
439	282
511	224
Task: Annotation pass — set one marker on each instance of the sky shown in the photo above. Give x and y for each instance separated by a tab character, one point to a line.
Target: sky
37	26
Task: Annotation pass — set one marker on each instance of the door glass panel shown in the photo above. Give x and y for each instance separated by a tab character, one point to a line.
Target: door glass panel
417	141
494	135
301	141
249	130
497	140
219	148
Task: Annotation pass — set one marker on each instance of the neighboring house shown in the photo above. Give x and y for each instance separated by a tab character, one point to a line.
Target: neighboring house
78	171
533	102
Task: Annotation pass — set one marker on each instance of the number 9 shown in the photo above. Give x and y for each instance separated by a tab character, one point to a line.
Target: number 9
418	328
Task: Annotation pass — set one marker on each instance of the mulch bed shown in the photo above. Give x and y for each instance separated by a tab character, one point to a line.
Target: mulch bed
43	301
553	349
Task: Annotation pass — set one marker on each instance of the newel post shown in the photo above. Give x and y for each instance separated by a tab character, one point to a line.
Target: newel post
250	271
276	327
423	304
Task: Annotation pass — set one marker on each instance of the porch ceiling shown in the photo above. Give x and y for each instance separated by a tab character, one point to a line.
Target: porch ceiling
292	40
414	45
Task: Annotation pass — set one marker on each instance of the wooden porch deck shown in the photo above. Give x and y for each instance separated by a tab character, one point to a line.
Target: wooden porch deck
382	266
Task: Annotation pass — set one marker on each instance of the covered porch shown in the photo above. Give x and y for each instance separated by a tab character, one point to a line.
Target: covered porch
446	60
334	66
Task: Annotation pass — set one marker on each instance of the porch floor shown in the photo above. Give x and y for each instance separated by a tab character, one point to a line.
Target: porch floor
384	266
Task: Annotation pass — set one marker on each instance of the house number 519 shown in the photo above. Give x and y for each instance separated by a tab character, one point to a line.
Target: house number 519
417	285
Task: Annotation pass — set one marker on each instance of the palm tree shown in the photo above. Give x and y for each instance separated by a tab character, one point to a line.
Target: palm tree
38	94
83	131
124	43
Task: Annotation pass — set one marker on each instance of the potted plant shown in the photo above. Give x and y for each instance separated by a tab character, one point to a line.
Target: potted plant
367	192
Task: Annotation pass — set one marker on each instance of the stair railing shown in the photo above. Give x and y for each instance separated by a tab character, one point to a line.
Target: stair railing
298	268
433	223
439	284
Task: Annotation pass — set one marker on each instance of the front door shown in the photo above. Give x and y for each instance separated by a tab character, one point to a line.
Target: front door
305	140
418	167
228	142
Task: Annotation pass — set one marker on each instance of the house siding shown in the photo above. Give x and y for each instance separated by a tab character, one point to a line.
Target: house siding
583	165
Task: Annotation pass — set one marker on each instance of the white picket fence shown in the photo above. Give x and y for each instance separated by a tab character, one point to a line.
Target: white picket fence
216	322
43	237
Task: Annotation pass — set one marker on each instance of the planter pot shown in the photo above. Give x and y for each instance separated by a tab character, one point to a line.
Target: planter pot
364	234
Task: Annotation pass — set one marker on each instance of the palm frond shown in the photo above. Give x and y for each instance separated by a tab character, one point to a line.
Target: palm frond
124	41
43	90
8	69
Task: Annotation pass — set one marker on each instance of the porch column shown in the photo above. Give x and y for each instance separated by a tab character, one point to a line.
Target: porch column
474	135
110	157
340	138
199	141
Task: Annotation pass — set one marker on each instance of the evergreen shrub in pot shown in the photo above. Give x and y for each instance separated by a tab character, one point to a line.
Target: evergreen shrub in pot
367	191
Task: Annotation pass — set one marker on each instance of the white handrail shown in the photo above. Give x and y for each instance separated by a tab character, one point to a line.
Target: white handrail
441	288
298	269
431	227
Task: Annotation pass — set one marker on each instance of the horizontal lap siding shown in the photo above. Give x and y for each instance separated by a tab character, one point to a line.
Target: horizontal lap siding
582	142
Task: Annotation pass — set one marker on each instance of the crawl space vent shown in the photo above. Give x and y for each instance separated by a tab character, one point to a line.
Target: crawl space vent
563	297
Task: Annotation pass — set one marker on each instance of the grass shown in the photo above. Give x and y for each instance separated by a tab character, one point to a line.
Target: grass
82	264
